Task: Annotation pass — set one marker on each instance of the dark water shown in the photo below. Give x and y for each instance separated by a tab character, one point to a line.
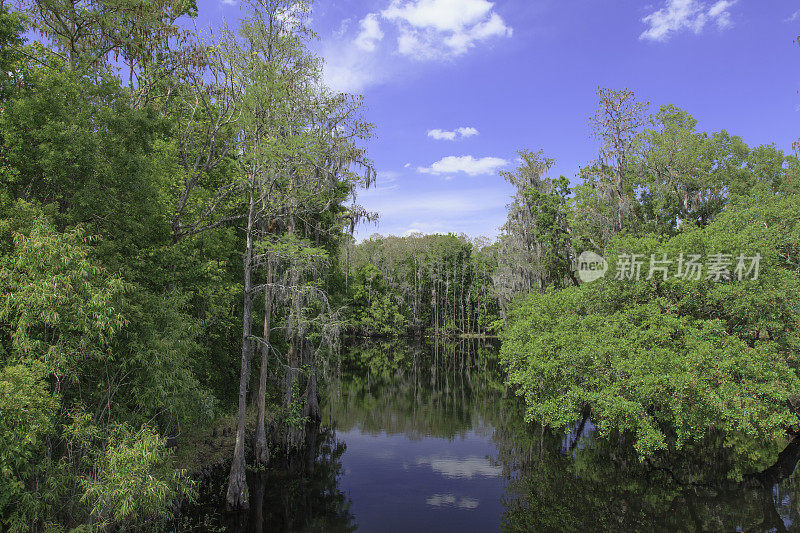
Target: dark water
418	438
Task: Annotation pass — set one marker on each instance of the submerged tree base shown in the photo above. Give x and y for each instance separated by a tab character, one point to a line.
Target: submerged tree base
297	491
238	498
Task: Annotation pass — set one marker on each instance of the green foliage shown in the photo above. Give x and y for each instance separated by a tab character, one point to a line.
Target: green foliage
134	480
673	362
69	356
374	307
62	307
293	413
121	264
535	246
686	176
550	229
120	246
27	412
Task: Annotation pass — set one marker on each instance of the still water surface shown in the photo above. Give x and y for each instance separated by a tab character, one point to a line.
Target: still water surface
418	425
419	438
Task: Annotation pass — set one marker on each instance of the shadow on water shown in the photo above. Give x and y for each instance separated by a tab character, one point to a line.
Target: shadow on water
599	485
419	437
298	492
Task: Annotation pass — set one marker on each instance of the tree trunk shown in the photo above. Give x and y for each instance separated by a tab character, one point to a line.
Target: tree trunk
237	497
261	447
312	410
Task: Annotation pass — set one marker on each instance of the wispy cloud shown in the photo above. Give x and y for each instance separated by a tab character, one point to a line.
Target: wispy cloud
693	15
348	68
478	210
441	135
370	33
444	135
794	16
441	204
388	175
415	30
386	182
466	164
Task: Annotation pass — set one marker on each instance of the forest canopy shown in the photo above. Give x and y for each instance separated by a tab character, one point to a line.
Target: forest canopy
177	216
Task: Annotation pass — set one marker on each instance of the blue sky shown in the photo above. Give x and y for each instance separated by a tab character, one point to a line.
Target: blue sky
456	87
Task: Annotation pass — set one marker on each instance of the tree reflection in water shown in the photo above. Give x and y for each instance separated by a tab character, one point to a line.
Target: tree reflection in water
601	486
298	492
551	482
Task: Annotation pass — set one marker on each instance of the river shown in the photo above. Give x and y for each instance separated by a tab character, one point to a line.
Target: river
418	437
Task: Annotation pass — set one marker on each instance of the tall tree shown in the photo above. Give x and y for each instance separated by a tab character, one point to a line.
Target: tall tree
534	247
605	199
299	160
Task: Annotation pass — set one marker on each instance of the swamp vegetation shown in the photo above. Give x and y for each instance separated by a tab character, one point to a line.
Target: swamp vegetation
178	269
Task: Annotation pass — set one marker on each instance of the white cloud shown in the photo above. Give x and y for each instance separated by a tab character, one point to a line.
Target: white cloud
433	206
428	208
441	135
435	29
441	204
413	44
467	164
442	15
349	69
720	14
388	176
422	228
228	2
467	131
693	15
370	33
359	56
450	500
444	135
794	16
468	467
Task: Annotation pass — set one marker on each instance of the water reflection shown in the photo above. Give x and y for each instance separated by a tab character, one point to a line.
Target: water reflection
415	389
443	500
467	467
426	438
418	423
297	493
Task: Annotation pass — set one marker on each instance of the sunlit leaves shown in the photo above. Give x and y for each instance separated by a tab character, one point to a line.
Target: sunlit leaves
134	480
62	306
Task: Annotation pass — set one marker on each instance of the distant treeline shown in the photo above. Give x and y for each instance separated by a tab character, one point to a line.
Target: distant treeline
437	284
